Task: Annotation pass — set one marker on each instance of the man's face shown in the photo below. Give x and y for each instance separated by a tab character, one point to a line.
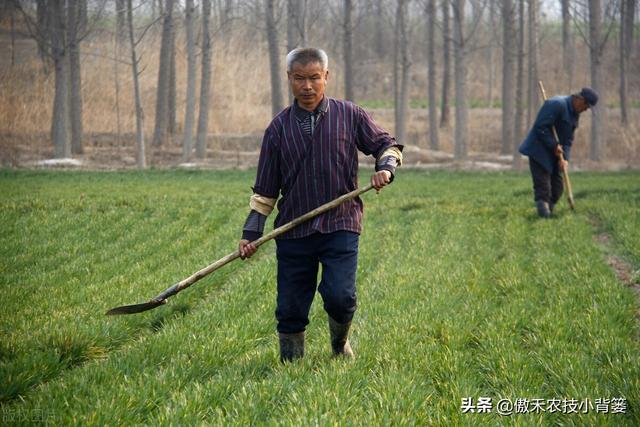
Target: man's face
580	104
308	83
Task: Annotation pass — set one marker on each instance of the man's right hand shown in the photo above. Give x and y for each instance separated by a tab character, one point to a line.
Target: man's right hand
246	249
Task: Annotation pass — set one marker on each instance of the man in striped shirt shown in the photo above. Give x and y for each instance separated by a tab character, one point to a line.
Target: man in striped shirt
308	158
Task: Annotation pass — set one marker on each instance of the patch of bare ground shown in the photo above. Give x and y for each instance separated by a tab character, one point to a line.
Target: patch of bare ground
624	271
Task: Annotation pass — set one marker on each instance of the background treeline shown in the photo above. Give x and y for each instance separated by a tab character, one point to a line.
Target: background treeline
143	78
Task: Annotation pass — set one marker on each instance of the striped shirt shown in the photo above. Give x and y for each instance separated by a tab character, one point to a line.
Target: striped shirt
308	169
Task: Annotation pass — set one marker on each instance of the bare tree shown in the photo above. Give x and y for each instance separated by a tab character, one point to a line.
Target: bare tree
205	82
627	14
490	52
190	104
460	76
274	57
296	24
596	40
508	40
42	30
430	11
446	65
518	134
568	44
140	144
164	71
532	92
119	36
401	66
171	95
75	79
596	50
347	34
59	51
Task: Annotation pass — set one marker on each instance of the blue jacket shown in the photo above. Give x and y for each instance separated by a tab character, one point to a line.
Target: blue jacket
540	143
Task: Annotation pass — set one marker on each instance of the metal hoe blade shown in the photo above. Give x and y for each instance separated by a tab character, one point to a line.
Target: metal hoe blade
135	308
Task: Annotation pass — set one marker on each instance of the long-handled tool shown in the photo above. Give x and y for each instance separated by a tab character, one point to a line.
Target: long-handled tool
565	173
162	297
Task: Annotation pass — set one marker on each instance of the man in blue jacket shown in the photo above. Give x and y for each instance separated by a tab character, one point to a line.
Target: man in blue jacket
563	114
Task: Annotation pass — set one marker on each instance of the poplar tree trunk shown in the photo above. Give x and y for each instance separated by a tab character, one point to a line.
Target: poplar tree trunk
348	50
190	104
568	45
460	73
403	65
59	120
75	79
519	101
44	24
171	100
274	58
627	14
508	39
596	48
140	145
446	65
431	64
532	95
490	59
164	72
205	82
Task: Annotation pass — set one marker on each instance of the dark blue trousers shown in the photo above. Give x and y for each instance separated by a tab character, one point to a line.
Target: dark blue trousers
298	262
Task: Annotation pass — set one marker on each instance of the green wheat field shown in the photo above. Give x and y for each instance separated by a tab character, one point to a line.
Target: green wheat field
465	297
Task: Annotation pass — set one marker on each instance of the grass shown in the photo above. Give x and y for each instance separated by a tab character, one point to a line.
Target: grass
463	292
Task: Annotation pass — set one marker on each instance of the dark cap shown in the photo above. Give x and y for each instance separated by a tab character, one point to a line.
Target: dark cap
589	95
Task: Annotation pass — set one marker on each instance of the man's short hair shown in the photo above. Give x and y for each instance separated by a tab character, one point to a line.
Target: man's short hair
307	55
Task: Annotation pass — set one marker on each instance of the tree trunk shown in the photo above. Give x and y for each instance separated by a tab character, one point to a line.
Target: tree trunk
59	120
568	45
596	48
293	33
205	83
518	134
140	148
460	73
507	76
274	58
402	87
627	14
348	50
446	66
431	64
190	107
532	95
171	101
490	59
164	71
43	31
75	79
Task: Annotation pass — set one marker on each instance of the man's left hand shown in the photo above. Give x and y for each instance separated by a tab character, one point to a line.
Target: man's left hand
380	179
563	164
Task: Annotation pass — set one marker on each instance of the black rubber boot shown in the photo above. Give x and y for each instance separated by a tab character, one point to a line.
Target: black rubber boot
543	209
340	338
291	346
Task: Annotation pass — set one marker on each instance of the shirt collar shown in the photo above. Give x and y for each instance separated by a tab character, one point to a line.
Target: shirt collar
302	114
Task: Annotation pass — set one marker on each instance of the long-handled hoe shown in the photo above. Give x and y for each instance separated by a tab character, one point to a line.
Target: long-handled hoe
162	297
565	173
